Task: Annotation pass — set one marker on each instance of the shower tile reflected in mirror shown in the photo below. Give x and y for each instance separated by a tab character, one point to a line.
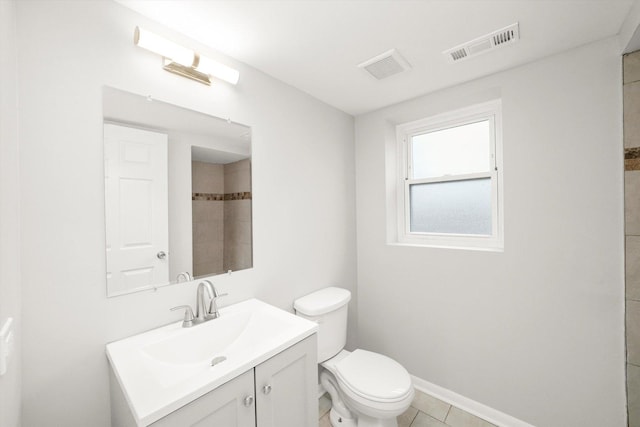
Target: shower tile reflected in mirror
221	195
237	216
207	185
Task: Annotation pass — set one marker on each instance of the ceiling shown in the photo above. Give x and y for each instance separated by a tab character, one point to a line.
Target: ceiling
316	46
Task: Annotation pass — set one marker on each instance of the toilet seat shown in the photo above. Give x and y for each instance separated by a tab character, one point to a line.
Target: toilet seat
373	377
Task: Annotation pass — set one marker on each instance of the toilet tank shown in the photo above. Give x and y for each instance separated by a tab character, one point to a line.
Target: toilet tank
327	307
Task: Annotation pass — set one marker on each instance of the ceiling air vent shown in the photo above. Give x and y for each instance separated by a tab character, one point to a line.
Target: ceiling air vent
507	35
385	65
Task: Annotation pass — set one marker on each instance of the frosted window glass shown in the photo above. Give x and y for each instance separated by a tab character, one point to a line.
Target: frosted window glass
453	207
453	151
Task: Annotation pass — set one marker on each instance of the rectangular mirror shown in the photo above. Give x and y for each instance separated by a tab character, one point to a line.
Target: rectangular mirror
177	193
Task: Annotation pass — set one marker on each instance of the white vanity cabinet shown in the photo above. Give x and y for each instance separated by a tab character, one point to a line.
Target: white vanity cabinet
231	404
265	375
286	387
280	392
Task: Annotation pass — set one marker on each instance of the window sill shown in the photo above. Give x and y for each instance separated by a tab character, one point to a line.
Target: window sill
450	246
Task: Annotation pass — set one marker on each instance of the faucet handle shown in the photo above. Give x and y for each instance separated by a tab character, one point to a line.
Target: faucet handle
213	306
188	315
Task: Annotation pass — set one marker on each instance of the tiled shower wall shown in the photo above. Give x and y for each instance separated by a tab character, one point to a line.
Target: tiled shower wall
631	79
237	215
207	186
221	197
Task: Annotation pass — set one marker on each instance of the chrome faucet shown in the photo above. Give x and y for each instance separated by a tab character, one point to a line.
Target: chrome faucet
204	311
202	314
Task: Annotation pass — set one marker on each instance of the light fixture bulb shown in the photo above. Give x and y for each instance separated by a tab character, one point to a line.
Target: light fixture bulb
156	44
218	70
183	61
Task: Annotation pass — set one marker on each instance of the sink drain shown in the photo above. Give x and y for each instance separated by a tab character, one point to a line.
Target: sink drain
217	360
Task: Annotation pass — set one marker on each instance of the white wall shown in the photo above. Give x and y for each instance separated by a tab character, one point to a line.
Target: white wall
180	218
9	211
304	209
536	331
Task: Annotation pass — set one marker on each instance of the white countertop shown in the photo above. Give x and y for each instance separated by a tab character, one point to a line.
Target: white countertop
163	369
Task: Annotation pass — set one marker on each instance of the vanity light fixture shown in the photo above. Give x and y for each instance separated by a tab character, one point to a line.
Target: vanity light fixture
183	61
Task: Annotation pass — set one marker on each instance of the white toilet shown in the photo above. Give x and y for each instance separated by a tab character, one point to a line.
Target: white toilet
367	389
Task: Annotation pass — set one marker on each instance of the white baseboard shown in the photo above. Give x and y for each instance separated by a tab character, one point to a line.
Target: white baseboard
478	409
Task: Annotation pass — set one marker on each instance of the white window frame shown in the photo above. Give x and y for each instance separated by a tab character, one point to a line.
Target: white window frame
491	111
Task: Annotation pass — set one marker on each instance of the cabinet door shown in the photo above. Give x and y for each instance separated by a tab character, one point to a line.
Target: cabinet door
230	405
286	387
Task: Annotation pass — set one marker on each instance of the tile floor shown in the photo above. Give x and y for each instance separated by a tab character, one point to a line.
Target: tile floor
425	411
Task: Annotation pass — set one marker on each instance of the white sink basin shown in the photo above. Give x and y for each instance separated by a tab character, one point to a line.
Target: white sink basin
161	370
201	343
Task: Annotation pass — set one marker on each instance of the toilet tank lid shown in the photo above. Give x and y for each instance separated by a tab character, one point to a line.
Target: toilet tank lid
322	301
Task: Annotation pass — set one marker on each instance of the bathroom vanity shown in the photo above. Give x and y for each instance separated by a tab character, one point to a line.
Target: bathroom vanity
253	366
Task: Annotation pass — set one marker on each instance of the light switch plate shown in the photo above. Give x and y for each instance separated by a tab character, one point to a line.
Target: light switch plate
6	344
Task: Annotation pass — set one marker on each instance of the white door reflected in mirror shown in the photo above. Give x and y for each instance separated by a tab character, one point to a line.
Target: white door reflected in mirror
136	197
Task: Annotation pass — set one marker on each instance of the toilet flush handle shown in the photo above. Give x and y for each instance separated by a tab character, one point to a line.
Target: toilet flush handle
266	389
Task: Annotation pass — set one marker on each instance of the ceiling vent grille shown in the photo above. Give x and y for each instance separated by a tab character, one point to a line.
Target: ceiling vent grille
459	54
505	36
385	65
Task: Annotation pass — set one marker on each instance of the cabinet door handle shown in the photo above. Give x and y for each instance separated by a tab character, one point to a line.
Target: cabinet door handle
266	389
248	401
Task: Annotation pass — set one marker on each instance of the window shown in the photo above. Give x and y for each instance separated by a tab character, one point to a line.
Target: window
450	179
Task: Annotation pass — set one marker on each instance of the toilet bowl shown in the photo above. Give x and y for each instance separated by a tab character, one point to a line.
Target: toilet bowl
367	389
373	388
